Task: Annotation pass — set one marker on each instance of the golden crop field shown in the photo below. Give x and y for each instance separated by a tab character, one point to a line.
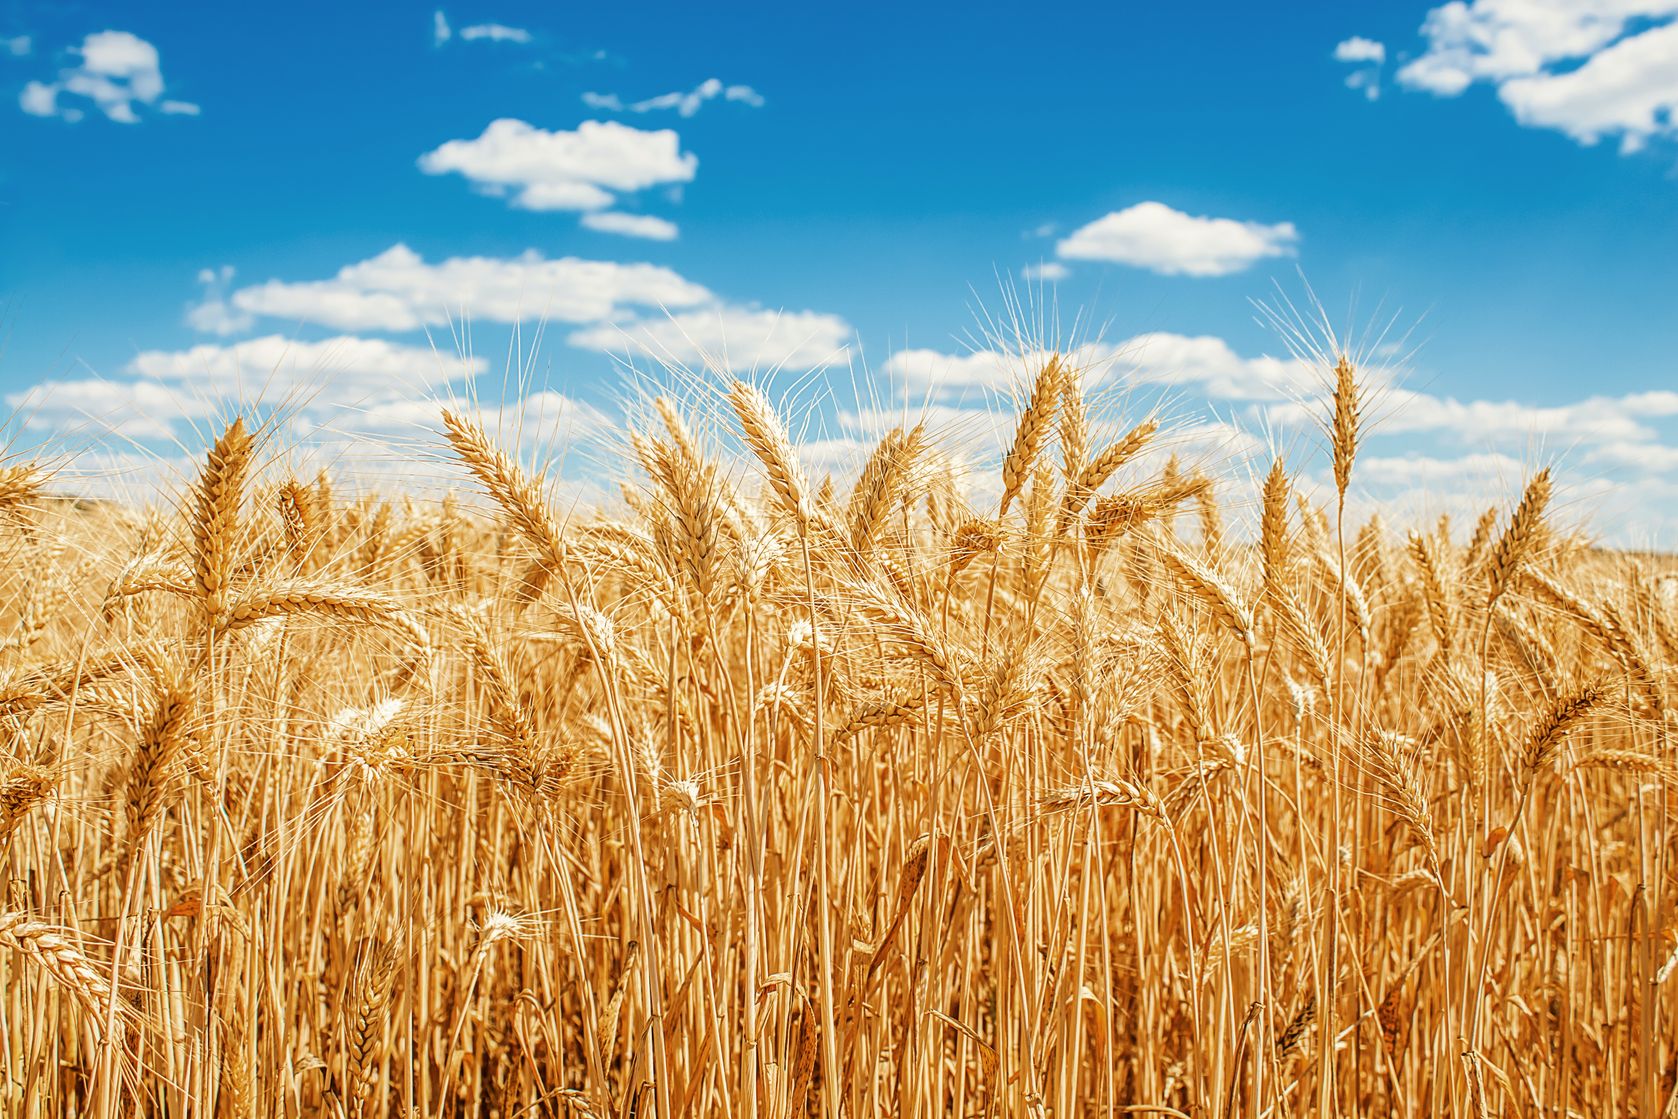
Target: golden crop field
1129	790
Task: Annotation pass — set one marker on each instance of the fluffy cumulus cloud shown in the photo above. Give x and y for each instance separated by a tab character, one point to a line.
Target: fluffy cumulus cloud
17	45
119	74
620	307
1359	49
400	291
1152	235
1597	419
323	379
727	337
1593	71
630	225
686	103
1423	454
1367	56
1207	365
1046	271
583	169
213	314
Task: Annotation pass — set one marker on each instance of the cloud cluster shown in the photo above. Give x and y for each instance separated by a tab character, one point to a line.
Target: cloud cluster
119	72
398	290
727	337
213	314
319	379
582	169
1589	70
1206	364
686	103
629	308
645	226
1368	56
1154	236
442	31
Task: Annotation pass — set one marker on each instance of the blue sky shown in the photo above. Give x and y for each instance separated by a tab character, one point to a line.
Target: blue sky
183	185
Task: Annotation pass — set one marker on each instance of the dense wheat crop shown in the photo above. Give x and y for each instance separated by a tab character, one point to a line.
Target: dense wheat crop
1122	791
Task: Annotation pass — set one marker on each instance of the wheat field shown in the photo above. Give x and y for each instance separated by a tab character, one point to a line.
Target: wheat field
1127	790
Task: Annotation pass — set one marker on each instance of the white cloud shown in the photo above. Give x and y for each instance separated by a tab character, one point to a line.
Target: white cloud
495	33
1047	271
1359	49
685	103
1628	90
1154	236
353	368
630	225
1369	81
1588	70
442	32
1604	420
728	337
1368	56
17	46
321	380
213	314
578	170
119	71
1647	458
1206	363
41	100
1425	470
981	368
1211	365
398	290
131	409
535	420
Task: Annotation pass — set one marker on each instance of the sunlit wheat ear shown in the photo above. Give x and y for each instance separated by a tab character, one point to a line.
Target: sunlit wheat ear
892	713
297	520
54	951
1074	425
882	486
291	598
22	787
1479	540
1109	461
1439	612
1035	422
972	539
215	516
1102	792
1345	430
364	1025
1211	523
1273	527
1391	758
680	435
1515	546
1213	592
1304	634
167	739
1557	723
20	488
767	438
518	495
1293	1036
